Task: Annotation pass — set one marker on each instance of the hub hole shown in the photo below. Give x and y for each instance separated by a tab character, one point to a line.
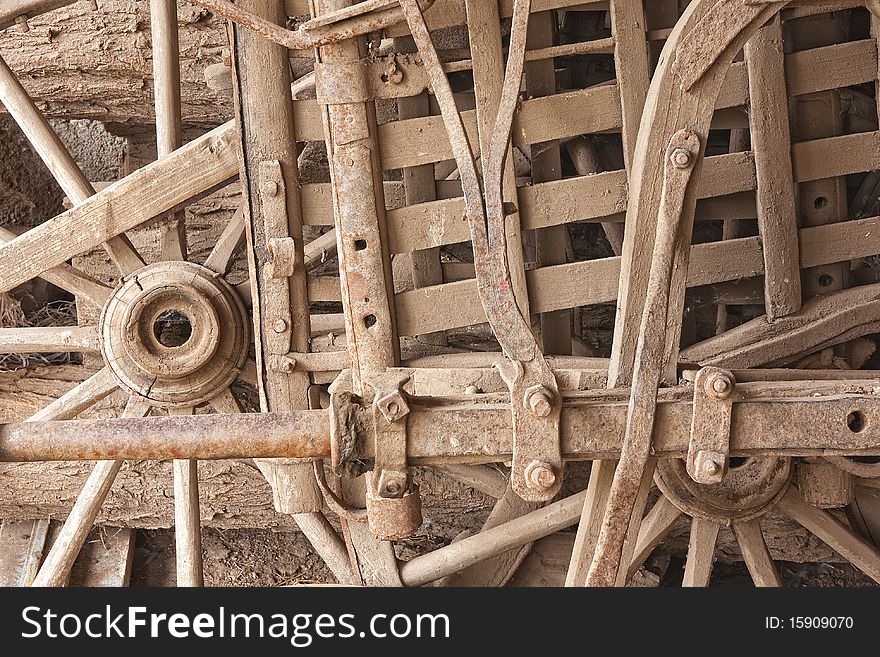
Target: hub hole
735	462
172	329
370	321
820	202
360	245
856	421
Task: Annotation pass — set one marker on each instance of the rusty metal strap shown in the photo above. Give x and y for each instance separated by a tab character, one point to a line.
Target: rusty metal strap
377	78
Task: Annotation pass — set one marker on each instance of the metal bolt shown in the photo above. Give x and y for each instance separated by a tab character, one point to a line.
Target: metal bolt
393	408
540	475
472	390
280	326
392	488
539	401
393	75
22	22
711	468
269	188
681	158
719	386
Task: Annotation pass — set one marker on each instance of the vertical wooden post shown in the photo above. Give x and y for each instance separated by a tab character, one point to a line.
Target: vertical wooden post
364	262
631	61
169	125
270	186
771	144
551	243
419	187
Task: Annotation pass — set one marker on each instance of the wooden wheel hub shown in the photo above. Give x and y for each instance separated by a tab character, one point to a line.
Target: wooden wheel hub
187	367
749	489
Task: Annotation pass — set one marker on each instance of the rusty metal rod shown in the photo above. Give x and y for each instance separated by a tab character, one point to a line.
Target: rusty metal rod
466	431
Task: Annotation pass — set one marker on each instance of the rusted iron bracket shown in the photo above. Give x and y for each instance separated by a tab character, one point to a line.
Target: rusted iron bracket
376	78
536	473
394	508
281	260
709	446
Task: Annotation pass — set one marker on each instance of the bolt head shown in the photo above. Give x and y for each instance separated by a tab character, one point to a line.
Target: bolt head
269	188
392	488
540	401
681	158
472	390
719	386
280	326
540	475
711	468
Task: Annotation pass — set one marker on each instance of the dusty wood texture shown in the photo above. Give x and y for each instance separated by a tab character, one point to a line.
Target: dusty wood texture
497	570
105	560
823	321
166	90
839	537
771	144
655	527
755	554
187	524
701	33
598	489
701	552
21	550
469	551
551	245
265	113
80	63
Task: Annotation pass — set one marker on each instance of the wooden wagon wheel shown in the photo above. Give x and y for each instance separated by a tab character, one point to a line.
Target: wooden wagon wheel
664	188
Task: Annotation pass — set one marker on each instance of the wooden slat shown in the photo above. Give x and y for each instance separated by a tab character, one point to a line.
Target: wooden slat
771	144
596	281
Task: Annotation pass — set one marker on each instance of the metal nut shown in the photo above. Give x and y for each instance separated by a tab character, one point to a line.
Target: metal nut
539	400
719	386
540	475
709	467
681	158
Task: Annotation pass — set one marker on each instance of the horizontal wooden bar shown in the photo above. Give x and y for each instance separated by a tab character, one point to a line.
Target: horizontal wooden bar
574	284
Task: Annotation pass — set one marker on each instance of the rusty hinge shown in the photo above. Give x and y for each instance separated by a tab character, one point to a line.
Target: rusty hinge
709	446
394	508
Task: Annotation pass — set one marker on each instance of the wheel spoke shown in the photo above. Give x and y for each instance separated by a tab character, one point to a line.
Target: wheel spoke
56	568
755	554
194	170
187	521
655	527
70	279
83	396
701	552
842	539
230	239
49	339
166	91
58	160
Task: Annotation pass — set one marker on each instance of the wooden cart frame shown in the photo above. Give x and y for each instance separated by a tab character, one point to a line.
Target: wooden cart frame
631	415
